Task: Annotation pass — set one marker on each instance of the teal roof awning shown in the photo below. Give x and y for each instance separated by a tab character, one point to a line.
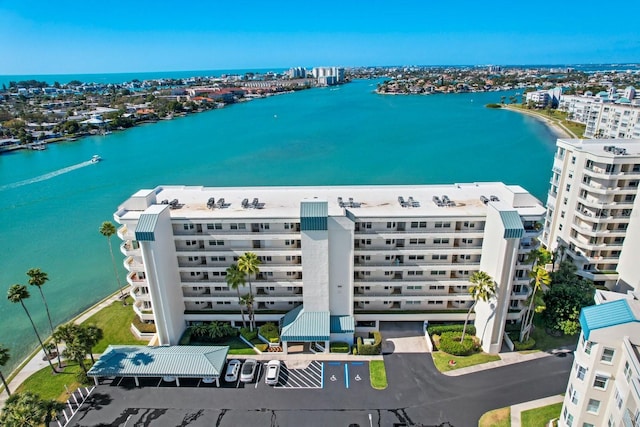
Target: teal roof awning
513	228
342	324
146	227
313	215
299	325
176	361
605	315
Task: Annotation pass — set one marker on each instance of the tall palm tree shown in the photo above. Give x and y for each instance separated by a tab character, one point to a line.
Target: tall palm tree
92	334
483	289
248	301
4	358
24	410
17	294
539	277
235	279
38	278
107	229
248	264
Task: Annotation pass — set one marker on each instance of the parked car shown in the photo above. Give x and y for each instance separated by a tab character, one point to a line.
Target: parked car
273	371
248	370
233	367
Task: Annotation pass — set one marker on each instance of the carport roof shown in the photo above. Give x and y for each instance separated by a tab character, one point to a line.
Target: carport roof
299	325
175	361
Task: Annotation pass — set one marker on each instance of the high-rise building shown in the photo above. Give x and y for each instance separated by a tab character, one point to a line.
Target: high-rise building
334	259
604	384
593	208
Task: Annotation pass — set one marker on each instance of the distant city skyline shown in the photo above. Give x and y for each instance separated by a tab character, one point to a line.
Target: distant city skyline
71	37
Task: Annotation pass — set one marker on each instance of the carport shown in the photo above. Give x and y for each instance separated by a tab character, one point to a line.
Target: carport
305	326
173	362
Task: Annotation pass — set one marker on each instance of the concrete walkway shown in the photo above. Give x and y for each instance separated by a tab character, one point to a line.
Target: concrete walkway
508	358
37	360
516	410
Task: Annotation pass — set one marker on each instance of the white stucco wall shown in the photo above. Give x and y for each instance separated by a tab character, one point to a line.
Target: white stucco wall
315	264
161	267
341	231
629	266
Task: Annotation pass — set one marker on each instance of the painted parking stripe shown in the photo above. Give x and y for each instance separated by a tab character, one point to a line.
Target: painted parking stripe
357	363
346	375
309	377
334	363
322	376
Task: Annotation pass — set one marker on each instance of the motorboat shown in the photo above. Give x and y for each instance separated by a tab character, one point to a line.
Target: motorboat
95	159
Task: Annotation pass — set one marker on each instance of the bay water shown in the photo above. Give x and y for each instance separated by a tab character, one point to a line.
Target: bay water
53	201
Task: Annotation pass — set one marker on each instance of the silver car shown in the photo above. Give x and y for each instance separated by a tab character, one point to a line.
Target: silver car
232	371
248	370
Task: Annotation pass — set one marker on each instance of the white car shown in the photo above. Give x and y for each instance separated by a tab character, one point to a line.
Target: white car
248	370
273	371
233	367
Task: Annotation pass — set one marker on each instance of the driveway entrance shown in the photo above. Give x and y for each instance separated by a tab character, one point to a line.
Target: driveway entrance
403	337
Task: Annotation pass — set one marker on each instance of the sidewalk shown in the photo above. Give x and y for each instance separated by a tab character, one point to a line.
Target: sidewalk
516	410
37	361
507	358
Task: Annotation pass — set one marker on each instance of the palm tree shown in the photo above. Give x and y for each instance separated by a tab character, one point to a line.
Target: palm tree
539	277
25	410
107	229
38	278
18	293
248	301
248	264
92	334
4	358
483	289
235	279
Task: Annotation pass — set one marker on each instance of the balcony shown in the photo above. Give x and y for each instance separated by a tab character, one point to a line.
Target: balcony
129	249
123	233
143	314
132	264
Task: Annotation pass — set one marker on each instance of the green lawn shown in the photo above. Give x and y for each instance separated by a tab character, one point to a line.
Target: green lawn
545	341
49	386
378	374
115	322
539	417
496	418
441	360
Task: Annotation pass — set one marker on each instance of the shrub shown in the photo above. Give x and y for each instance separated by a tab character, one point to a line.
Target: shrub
526	345
493	106
339	347
185	339
439	329
270	332
262	347
248	334
370	349
354	350
144	327
450	343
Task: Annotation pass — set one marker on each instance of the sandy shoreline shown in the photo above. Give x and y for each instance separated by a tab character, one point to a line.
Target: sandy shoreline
560	132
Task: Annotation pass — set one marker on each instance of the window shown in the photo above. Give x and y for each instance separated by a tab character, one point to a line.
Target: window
188	226
607	355
441	241
440	224
581	372
573	395
568	418
627	372
618	398
438	257
418	224
593	406
587	425
587	347
216	243
600	381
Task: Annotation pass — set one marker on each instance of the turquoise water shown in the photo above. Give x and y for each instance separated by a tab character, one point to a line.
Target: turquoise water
53	201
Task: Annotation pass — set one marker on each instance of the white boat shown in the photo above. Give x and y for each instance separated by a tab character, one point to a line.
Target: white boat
95	159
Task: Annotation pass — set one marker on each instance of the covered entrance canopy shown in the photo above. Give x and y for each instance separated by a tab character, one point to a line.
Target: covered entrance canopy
206	362
299	325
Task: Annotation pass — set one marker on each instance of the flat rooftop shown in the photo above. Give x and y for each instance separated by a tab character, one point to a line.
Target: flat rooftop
597	146
368	201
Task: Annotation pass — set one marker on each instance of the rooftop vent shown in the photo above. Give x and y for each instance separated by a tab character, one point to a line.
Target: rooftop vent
350	204
615	150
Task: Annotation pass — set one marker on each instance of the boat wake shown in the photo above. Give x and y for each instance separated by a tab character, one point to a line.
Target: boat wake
46	176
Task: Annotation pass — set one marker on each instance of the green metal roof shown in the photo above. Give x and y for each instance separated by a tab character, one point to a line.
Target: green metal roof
176	361
342	324
146	226
299	325
513	228
313	215
606	315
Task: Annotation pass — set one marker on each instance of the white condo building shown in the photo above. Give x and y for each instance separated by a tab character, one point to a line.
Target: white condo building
334	259
593	208
604	383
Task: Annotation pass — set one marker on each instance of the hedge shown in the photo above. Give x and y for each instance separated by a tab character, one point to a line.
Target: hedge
439	329
339	347
270	332
450	343
370	349
526	345
248	334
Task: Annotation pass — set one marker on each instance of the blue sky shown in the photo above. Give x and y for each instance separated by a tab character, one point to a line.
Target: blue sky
59	36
